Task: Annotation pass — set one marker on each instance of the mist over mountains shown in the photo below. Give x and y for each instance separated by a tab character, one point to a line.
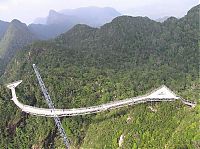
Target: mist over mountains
59	22
3	28
53	25
92	16
89	66
15	35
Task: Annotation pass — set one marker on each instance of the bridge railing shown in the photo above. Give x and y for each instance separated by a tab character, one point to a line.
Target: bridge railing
188	102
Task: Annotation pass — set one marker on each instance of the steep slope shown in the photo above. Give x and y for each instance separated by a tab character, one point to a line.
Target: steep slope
170	125
50	31
88	66
58	18
60	22
3	28
16	36
56	23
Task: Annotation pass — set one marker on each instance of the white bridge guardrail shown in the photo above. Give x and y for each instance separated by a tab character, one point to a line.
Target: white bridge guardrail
161	94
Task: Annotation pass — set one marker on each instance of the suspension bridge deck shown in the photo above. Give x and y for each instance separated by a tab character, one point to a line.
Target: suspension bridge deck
161	94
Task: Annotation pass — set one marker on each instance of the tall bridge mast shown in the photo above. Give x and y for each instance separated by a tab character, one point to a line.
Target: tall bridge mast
51	106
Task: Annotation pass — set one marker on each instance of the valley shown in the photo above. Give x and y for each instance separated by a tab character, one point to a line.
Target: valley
88	66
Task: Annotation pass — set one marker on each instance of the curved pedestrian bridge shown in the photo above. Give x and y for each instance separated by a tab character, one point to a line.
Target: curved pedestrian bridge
162	93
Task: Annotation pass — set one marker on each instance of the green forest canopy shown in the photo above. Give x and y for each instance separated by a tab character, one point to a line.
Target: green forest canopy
89	66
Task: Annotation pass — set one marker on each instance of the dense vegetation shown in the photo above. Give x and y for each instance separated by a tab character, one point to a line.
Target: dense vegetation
13	36
89	66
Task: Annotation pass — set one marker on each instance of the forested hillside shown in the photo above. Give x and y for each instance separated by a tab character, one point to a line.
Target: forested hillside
89	66
13	36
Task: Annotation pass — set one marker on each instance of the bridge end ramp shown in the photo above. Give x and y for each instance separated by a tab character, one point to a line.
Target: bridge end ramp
13	84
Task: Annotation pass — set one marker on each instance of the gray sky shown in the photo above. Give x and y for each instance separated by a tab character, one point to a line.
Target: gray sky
27	10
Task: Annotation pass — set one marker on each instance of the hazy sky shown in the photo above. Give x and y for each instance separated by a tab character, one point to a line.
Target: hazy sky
28	10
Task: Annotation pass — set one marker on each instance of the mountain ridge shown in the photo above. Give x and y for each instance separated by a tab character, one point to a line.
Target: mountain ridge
66	19
15	37
90	66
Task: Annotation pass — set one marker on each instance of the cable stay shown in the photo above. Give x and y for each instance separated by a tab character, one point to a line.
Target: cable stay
51	106
162	93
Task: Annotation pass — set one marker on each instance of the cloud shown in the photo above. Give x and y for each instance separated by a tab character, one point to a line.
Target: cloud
3	8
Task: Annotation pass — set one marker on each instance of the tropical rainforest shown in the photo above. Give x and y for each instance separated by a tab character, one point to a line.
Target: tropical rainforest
89	66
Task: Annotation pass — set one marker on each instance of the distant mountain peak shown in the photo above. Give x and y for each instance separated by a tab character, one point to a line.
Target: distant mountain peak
15	21
59	22
56	18
16	24
90	8
14	38
52	12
